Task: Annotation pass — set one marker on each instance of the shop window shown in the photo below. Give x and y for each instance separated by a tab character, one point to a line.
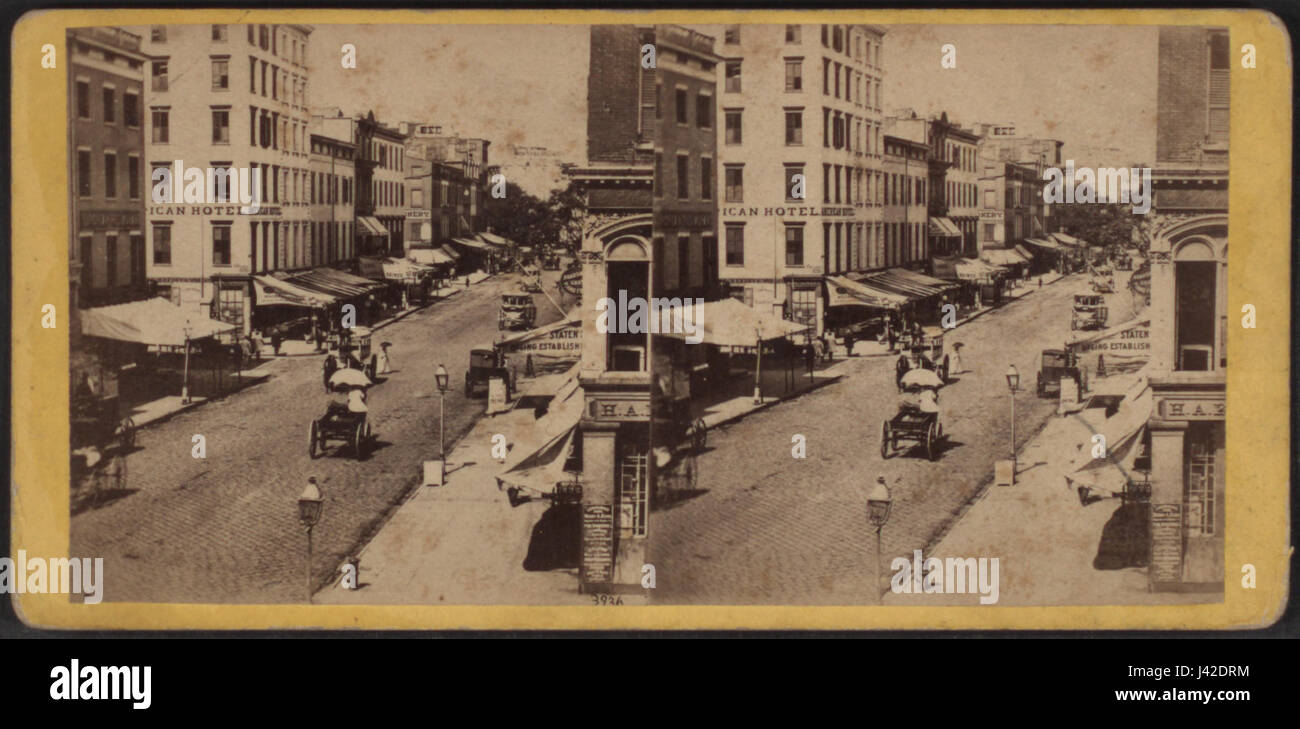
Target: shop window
1200	461
633	486
803	306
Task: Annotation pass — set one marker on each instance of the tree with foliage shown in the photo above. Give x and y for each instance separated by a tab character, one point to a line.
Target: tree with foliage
528	220
1101	224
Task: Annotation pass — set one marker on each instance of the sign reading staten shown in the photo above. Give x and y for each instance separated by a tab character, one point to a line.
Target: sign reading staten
804	212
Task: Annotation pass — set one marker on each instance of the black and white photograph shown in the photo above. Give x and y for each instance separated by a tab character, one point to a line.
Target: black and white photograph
663	315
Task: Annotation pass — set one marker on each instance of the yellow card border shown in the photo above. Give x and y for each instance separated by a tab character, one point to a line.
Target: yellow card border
1258	505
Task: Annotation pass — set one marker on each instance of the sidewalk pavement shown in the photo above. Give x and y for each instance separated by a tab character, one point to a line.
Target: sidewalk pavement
733	409
1045	539
462	542
154	411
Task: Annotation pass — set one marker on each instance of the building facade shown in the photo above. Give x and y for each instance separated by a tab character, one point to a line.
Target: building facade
1189	312
467	155
906	189
204	82
800	142
381	188
333	201
106	166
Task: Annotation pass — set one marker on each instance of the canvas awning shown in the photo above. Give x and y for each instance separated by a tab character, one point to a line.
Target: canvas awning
1068	240
430	256
944	228
155	322
907	283
538	455
562	338
973	269
1050	245
334	283
272	291
1003	257
1024	253
496	240
451	252
1123	432
841	291
729	323
472	244
371	226
400	269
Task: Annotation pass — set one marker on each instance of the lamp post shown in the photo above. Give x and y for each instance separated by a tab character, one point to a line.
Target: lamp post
758	369
1013	384
444	384
185	381
879	503
309	508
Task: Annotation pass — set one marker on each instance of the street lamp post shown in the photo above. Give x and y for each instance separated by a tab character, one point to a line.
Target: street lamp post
1013	384
444	384
879	503
309	508
185	381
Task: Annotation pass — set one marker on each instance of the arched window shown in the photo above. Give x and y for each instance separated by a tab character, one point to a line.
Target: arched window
1196	304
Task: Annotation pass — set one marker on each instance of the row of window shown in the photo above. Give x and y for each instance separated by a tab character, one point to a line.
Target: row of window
682	177
839	130
130	115
388	156
963	157
284	86
330	189
272	39
838	37
112	175
281	245
135	269
390	194
845	246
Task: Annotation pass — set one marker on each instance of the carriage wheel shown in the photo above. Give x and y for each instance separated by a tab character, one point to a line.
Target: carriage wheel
699	435
931	436
884	440
126	434
359	441
313	439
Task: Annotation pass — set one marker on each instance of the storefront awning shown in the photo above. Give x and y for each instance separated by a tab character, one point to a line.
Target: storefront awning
973	269
728	323
944	228
400	269
472	244
1024	253
334	283
451	252
155	322
272	291
562	339
538	455
430	256
1068	240
495	239
907	283
371	226
1123	432
842	291
1003	257
1050	245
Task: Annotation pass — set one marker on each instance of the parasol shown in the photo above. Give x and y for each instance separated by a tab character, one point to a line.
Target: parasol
921	377
350	377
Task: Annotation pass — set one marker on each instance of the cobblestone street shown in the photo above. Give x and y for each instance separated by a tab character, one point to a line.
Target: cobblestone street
225	529
769	528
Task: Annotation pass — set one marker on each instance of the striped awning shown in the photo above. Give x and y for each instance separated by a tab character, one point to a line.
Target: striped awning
907	283
272	291
371	226
841	291
944	228
334	283
472	244
452	252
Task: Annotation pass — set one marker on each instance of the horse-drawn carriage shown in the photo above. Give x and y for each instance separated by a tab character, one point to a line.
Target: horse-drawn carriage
925	351
917	419
341	421
1090	312
517	311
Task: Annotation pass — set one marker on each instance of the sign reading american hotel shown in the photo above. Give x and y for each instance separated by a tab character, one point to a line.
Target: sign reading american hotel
796	212
200	210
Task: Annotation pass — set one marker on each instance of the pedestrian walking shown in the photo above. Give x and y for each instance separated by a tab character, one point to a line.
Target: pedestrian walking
276	340
957	367
848	344
330	367
891	335
385	361
810	356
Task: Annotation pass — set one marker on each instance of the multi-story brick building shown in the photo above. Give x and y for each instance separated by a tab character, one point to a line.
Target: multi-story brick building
1189	311
204	80
333	198
105	166
381	188
467	154
800	139
905	191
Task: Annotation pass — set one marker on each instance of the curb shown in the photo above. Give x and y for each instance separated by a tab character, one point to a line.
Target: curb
817	385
